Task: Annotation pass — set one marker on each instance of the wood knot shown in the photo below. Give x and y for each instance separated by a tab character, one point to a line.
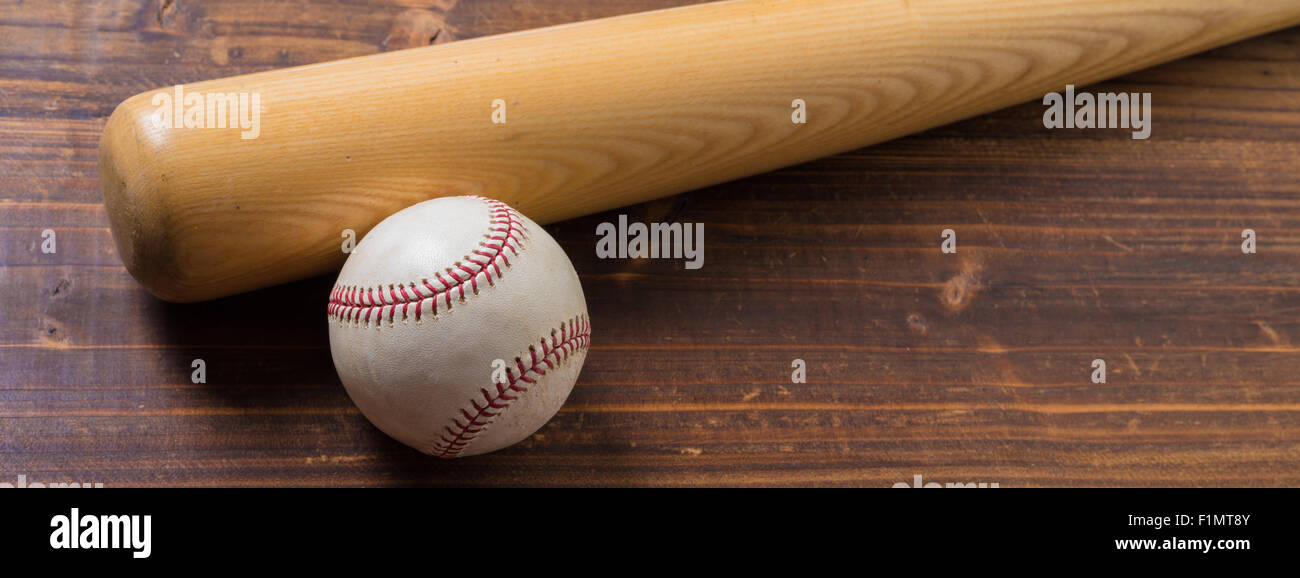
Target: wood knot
958	291
917	324
417	27
50	334
166	13
172	18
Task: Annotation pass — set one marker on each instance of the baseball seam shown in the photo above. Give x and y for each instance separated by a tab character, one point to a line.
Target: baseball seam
356	304
575	335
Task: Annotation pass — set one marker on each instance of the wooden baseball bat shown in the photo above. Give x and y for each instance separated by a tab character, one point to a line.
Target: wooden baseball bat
597	114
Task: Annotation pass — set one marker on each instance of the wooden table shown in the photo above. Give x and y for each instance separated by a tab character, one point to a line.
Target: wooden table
974	366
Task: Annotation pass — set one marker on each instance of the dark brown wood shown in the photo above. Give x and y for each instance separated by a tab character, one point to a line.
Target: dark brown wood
1073	245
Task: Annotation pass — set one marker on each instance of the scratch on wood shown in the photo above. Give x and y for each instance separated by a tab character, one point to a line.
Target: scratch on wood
1137	372
987	224
1126	248
1272	334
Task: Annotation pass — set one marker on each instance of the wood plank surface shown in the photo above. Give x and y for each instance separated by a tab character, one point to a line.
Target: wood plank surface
974	366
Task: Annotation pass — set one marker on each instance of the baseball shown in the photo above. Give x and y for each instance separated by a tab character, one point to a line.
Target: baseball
458	326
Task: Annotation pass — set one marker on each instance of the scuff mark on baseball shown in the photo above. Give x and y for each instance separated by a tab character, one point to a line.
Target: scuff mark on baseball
458	326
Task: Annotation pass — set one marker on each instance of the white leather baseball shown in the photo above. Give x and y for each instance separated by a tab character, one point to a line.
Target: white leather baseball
431	298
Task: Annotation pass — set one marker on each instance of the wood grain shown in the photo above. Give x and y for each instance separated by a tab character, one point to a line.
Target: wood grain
970	367
599	114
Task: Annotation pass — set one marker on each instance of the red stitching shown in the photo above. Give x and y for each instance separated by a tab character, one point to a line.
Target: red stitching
574	336
355	304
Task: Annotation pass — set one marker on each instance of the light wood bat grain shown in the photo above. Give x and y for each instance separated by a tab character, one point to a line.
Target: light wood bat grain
600	114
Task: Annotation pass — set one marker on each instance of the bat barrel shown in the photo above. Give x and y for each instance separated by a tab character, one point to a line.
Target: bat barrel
230	185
